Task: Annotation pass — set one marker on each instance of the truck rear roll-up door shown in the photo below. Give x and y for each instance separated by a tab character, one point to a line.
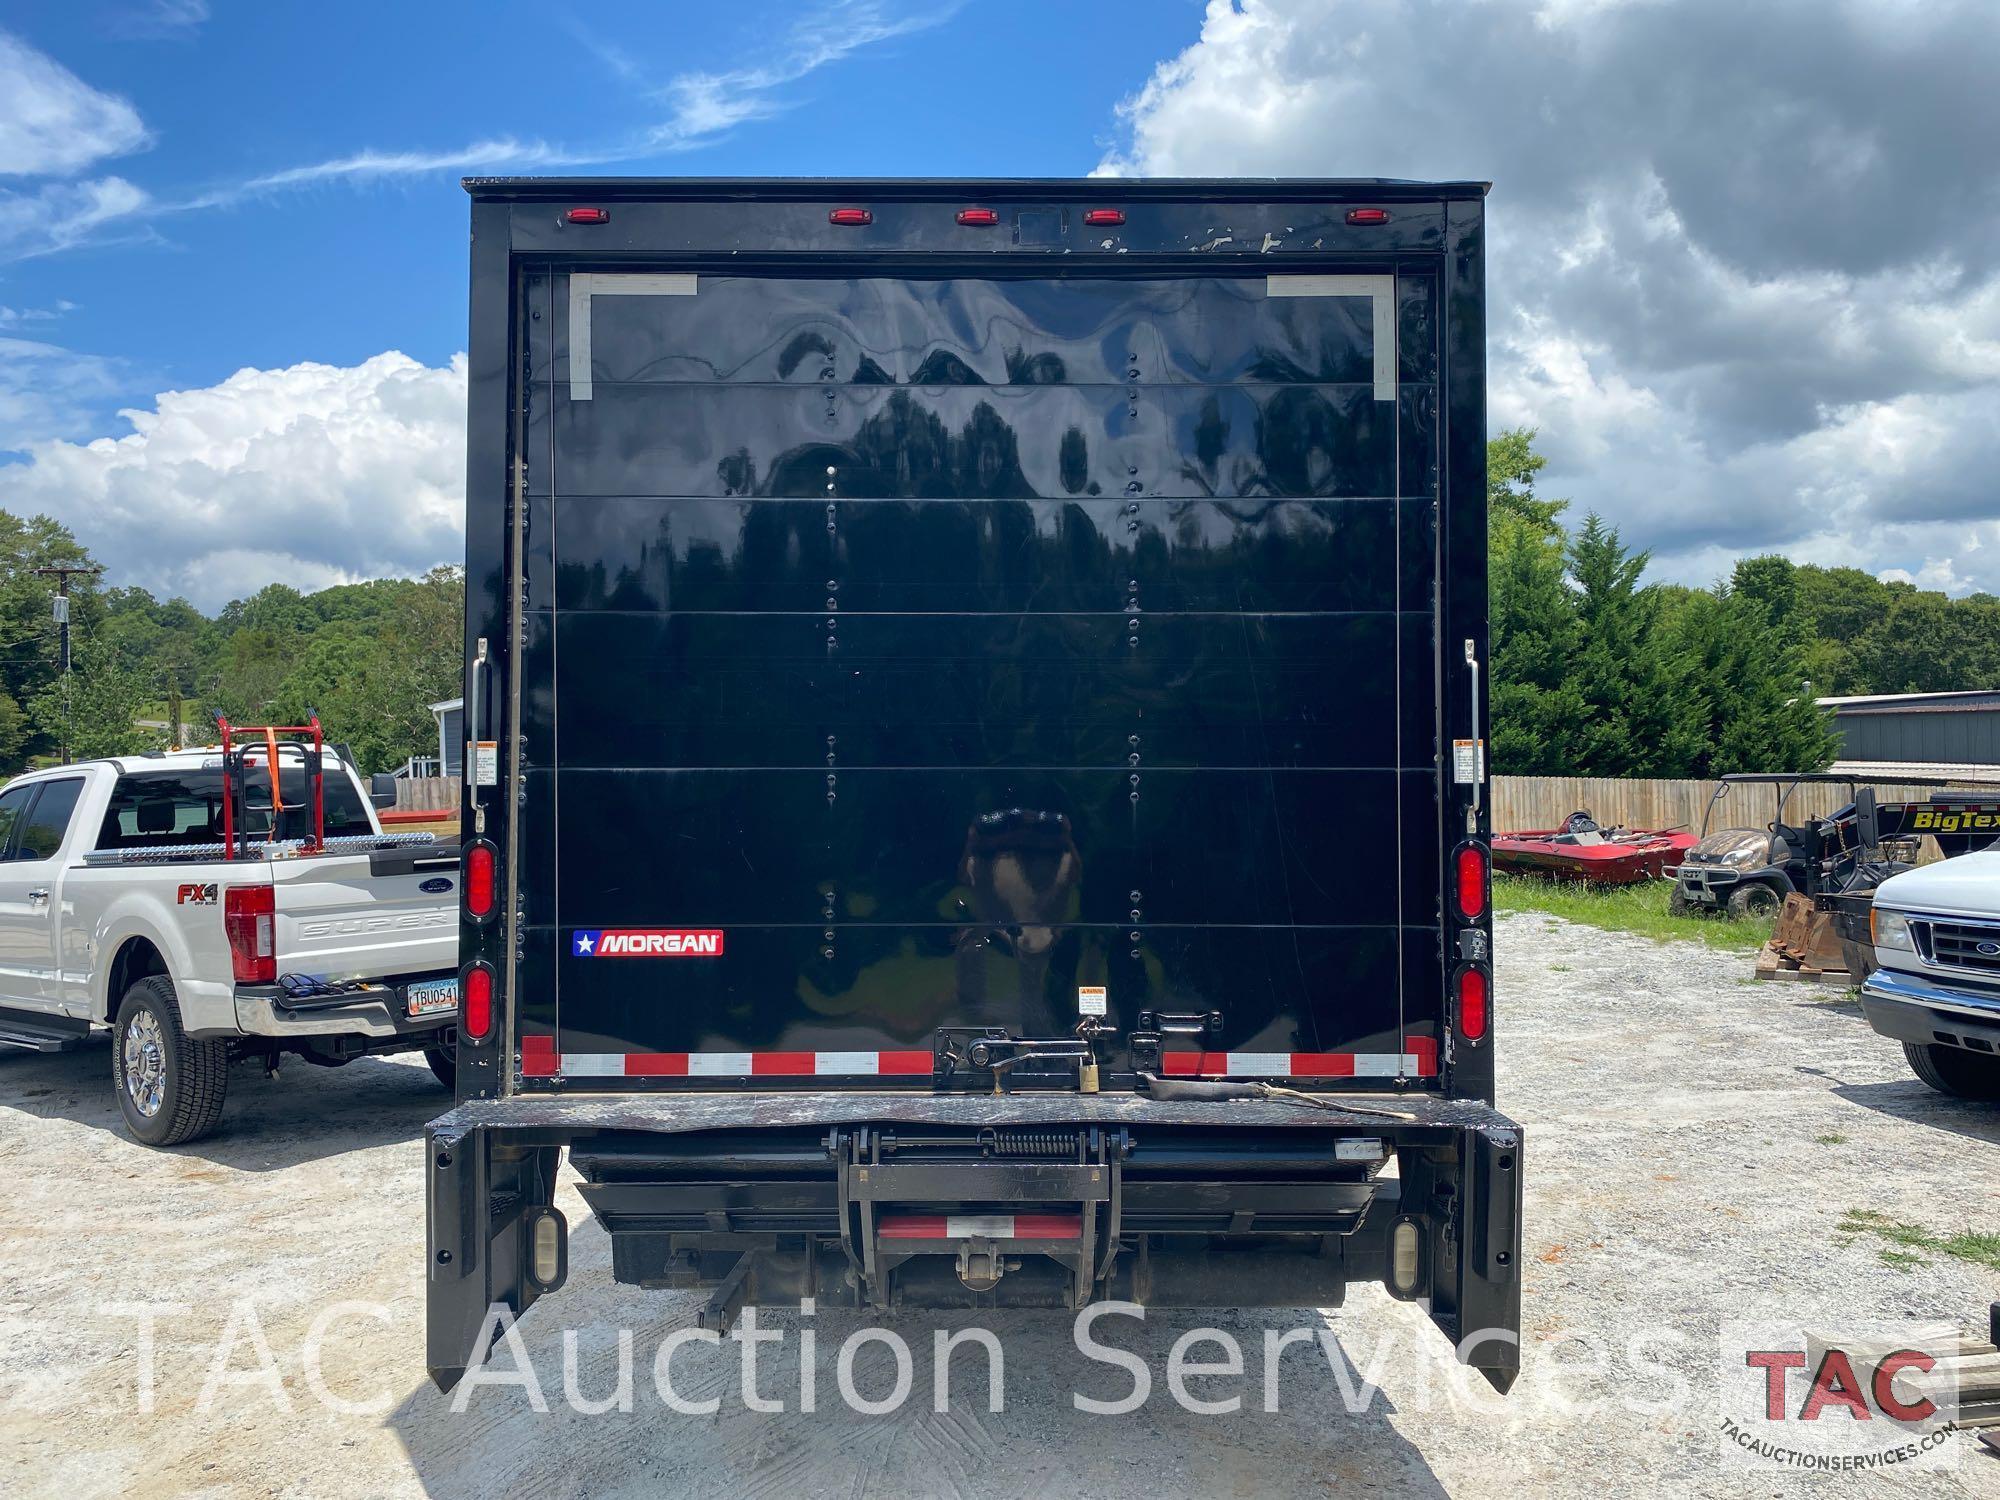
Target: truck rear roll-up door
951	646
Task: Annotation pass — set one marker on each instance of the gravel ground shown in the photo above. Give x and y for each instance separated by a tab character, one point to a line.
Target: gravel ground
1694	1142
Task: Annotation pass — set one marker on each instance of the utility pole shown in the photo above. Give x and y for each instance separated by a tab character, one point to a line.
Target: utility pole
62	576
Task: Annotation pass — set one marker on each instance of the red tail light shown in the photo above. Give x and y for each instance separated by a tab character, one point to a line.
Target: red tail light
1368	216
853	216
978	216
479	880
589	216
250	918
475	1003
1104	216
1472	1007
1471	882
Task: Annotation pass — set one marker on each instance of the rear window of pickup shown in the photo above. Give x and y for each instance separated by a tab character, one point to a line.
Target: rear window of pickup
157	809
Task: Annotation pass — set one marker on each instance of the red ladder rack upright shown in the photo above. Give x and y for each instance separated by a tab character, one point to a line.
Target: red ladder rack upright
236	770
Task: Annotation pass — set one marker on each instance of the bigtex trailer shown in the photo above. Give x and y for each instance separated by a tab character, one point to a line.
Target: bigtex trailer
976	786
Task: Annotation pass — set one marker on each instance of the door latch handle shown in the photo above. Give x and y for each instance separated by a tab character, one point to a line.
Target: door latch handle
37	896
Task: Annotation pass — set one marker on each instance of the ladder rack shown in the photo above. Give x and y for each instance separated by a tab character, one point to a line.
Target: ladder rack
236	764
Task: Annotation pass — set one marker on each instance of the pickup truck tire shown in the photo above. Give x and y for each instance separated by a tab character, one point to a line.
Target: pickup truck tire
1950	1070
443	1059
154	1061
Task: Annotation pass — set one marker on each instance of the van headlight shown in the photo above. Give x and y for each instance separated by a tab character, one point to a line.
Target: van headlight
1891	929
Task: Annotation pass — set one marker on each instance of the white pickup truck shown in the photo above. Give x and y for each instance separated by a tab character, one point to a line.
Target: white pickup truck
119	908
1937	985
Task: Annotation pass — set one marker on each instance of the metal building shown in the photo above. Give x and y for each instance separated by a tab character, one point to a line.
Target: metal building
1887	734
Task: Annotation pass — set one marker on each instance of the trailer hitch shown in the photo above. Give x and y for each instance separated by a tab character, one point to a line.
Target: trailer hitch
987	1202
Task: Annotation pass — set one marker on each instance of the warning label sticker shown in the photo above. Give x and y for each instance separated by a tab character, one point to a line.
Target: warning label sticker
1468	761
1090	1000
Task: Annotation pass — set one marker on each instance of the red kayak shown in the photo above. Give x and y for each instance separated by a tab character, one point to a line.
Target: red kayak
1581	850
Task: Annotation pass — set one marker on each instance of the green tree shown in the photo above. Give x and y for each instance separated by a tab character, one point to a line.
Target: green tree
1641	705
103	699
1512	466
1535	709
1759	714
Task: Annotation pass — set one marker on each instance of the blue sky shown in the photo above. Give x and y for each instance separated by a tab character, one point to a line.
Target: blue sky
1744	259
337	268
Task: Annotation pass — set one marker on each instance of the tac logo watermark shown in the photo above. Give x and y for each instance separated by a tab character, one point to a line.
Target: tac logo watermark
1845	1401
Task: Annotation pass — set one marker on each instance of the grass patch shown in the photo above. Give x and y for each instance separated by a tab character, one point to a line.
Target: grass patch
1835	1139
1981	1249
1640	909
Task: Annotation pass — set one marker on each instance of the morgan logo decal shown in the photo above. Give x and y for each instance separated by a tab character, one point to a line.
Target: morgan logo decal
645	942
195	895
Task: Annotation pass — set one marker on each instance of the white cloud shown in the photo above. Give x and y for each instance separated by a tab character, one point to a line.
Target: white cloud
1744	262
363	166
157	20
708	105
64	214
52	123
312	475
46	390
702	106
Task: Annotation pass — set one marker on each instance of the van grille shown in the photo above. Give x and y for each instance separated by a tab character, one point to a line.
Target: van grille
1972	946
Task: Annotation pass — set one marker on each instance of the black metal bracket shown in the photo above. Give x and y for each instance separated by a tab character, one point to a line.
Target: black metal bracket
1148	1038
989	1049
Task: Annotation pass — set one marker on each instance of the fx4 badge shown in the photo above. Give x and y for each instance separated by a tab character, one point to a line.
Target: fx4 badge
195	895
645	942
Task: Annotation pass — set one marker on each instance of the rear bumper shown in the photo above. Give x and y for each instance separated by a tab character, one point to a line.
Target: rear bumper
267	1011
919	1200
1913	1008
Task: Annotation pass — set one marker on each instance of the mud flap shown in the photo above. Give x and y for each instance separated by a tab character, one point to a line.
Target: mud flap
1476	1292
482	1198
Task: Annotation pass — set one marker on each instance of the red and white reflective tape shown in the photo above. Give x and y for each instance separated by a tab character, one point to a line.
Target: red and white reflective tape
1418	1059
981	1226
539	1059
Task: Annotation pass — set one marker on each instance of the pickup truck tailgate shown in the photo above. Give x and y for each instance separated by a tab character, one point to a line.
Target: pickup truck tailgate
368	916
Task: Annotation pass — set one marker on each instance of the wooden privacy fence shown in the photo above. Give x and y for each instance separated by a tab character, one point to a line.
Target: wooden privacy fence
428	793
1525	802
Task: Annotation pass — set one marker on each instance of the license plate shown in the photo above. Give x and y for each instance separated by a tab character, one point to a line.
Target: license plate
429	996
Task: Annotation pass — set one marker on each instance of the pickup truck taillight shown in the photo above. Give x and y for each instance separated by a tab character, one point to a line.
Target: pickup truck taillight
250	918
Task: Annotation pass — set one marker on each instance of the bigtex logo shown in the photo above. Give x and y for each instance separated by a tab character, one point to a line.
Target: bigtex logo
644	942
1972	821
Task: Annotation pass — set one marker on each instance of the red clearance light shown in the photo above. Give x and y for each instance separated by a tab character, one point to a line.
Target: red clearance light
1472	1006
589	216
479	879
475	1003
250	919
1471	882
978	216
1368	216
1104	216
850	216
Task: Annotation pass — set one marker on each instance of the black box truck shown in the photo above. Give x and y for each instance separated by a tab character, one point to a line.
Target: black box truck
976	750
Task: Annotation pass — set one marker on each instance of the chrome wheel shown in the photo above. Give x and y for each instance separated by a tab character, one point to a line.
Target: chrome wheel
144	1056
